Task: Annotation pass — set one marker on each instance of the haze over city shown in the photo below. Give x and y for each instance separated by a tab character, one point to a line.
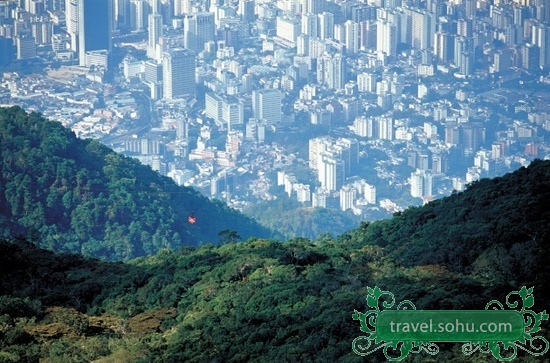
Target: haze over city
361	106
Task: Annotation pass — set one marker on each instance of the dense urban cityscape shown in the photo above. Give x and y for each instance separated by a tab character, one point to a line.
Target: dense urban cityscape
363	106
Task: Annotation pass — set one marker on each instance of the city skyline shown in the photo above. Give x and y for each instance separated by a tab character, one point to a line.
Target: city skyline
200	90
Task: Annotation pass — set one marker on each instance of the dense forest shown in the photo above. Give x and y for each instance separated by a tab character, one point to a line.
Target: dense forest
73	195
263	300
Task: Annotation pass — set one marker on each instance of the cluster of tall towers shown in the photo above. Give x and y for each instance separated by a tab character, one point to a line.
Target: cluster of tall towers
89	24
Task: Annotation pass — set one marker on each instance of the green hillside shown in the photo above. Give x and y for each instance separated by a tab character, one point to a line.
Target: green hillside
73	195
292	219
494	221
267	301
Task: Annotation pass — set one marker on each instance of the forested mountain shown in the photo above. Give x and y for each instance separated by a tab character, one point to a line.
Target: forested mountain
267	301
74	195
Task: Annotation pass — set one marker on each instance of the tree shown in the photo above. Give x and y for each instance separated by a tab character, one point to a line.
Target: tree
228	236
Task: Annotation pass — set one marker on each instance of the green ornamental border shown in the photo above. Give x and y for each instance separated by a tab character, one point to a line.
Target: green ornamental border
525	320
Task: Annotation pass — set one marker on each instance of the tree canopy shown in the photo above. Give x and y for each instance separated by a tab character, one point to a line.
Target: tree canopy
80	196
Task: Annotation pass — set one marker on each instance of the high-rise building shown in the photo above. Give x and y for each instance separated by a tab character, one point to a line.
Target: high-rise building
423	29
326	25
178	73
182	129
71	19
155	32
255	130
386	37
352	37
6	51
288	28
339	33
226	111
439	163
441	46
153	71
421	183
452	133
363	127
316	147
233	143
348	151
472	135
541	38
42	31
331	171
26	47
94	27
309	25
370	193
312	6
139	14
266	104
530	57
471	8
464	27
367	34
122	15
331	71
302	45
466	63
246	10
348	195
502	60
385	128
461	45
366	82
543	10
198	29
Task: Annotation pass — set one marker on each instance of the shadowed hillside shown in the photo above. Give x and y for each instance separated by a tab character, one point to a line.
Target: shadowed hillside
79	196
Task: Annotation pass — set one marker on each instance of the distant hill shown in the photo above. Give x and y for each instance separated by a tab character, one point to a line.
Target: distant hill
266	301
291	219
73	195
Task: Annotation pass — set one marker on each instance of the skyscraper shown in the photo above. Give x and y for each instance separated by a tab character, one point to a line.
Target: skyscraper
266	104
530	57
326	25
541	38
122	14
312	6
331	70
309	25
198	29
421	183
441	46
386	38
352	37
288	28
71	18
423	28
6	51
178	73
94	27
331	171
139	12
155	32
246	10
